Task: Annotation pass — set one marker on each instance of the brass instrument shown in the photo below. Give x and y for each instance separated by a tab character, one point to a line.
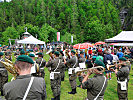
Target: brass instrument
109	66
66	52
10	67
78	72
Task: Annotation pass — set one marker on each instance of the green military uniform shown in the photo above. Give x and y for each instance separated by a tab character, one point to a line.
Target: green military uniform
72	63
62	70
96	86
56	66
81	60
3	75
122	75
16	89
25	86
41	62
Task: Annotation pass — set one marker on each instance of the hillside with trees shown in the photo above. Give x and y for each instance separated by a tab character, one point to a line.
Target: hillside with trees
86	20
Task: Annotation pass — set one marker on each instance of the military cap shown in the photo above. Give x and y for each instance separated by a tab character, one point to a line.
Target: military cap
56	53
127	56
72	51
22	52
99	63
39	53
31	55
1	53
25	58
81	52
123	59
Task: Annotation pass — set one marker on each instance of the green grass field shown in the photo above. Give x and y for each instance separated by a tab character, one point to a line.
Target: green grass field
110	93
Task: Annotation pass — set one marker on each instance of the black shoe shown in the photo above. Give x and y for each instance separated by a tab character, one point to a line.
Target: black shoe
62	79
2	93
52	99
57	98
73	91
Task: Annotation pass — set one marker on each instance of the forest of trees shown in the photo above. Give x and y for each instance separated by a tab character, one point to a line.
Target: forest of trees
86	20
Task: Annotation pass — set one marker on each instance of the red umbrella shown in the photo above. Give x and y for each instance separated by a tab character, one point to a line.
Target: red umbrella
83	46
112	43
99	43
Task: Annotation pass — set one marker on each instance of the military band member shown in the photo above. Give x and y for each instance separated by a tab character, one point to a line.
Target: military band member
64	68
95	86
72	63
128	57
18	89
3	74
41	62
35	67
56	66
122	73
8	54
82	59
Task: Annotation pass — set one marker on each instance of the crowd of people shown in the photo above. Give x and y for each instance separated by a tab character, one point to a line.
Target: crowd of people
30	64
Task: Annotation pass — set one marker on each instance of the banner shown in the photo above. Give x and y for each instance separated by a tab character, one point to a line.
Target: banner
58	36
71	39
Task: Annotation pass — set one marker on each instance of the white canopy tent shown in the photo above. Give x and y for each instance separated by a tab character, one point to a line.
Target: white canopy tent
30	40
124	44
124	36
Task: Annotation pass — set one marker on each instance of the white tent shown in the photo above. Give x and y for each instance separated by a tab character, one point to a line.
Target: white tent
124	44
30	40
124	36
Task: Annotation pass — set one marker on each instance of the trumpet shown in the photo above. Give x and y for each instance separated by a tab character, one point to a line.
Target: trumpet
109	66
102	69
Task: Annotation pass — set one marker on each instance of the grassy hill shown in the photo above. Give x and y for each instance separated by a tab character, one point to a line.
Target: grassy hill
110	93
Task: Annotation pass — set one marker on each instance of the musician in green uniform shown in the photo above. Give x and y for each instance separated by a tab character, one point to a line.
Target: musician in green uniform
128	58
82	59
35	67
25	87
95	86
122	73
55	77
72	63
41	62
3	74
63	69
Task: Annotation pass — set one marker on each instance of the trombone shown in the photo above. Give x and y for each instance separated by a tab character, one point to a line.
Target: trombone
101	70
109	66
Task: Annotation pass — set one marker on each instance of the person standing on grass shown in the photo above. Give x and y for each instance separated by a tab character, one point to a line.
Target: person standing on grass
25	87
72	63
97	85
122	74
55	75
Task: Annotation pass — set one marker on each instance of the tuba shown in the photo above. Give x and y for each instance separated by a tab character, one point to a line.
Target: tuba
10	67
